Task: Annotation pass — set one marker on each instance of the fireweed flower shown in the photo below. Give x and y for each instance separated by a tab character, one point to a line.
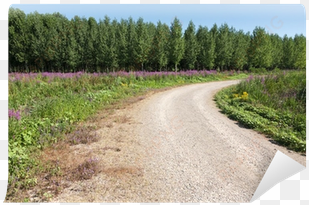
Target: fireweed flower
263	80
14	114
249	78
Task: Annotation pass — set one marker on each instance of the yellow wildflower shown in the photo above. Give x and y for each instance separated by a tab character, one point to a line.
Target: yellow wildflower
235	95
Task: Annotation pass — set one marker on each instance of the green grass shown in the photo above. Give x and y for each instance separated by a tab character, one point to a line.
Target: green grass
50	108
274	105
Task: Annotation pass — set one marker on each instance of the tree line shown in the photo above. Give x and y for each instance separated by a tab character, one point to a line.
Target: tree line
53	43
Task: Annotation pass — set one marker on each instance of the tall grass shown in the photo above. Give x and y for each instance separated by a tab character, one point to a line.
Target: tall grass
273	104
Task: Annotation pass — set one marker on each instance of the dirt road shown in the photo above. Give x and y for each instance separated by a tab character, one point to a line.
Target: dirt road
177	147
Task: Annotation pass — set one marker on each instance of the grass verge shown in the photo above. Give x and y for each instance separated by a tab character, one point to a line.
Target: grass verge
274	105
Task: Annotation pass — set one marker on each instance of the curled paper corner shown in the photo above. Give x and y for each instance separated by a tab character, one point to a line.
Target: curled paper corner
280	168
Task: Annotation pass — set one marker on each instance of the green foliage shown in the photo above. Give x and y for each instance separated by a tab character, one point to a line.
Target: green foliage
288	52
121	35
190	53
142	46
17	30
206	48
160	40
300	52
224	47
53	43
274	105
240	58
260	49
176	44
276	50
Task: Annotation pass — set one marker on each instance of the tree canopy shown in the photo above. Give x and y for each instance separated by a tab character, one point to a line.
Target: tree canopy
53	43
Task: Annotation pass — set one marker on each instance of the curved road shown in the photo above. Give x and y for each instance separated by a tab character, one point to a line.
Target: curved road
195	153
176	147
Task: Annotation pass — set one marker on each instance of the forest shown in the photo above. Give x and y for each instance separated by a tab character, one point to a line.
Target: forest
53	43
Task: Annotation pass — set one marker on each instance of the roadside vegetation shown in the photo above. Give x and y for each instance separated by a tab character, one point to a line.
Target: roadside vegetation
45	107
273	104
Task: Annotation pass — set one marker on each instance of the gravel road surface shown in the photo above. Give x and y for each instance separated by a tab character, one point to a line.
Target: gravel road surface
180	148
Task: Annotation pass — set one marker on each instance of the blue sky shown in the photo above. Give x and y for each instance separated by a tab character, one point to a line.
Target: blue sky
280	19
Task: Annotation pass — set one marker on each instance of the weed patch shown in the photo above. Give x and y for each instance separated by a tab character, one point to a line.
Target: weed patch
86	170
83	136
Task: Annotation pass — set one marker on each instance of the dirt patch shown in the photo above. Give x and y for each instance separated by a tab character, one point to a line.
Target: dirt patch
123	171
105	145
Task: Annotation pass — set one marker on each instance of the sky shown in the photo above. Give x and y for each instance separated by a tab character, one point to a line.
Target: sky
281	19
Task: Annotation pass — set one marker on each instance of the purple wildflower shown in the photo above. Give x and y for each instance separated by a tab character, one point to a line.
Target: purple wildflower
14	114
249	78
263	80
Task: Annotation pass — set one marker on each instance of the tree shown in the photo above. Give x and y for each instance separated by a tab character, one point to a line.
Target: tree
108	43
36	41
241	44
206	48
214	31
276	50
80	26
131	43
71	54
151	31
288	52
190	53
300	51
176	48
224	47
91	45
260	49
160	41
142	46
18	42
50	33
122	52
